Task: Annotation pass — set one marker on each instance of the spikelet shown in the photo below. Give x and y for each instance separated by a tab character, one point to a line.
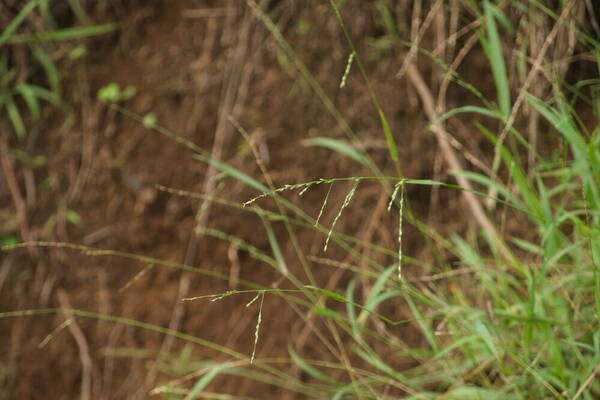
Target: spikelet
337	217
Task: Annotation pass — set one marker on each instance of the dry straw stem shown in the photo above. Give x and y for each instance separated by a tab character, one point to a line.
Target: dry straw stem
209	12
587	382
453	162
15	192
82	344
417	33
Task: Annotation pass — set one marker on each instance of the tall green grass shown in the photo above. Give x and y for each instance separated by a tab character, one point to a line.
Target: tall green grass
490	328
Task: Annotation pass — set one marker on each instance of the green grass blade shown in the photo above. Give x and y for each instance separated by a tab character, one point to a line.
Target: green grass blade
342	391
561	122
44	94
351	312
309	369
423	324
493	47
374	296
206	379
485	180
486	336
338	146
8	32
387	18
518	175
15	117
389	137
467	253
30	98
79	12
78	32
46	13
370	356
467	109
528	246
275	247
233	172
49	67
328	293
472	393
327	313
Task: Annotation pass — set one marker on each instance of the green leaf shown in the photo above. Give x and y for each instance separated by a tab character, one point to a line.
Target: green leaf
8	240
485	334
472	393
24	157
467	109
350	311
337	146
78	32
468	254
563	123
422	321
374	296
30	99
328	293
493	47
518	176
389	137
15	117
387	18
528	246
16	21
110	93
342	391
426	182
49	67
485	180
44	94
370	356
78	52
45	12
326	312
233	172
113	93
206	379
275	246
73	217
128	92
79	12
